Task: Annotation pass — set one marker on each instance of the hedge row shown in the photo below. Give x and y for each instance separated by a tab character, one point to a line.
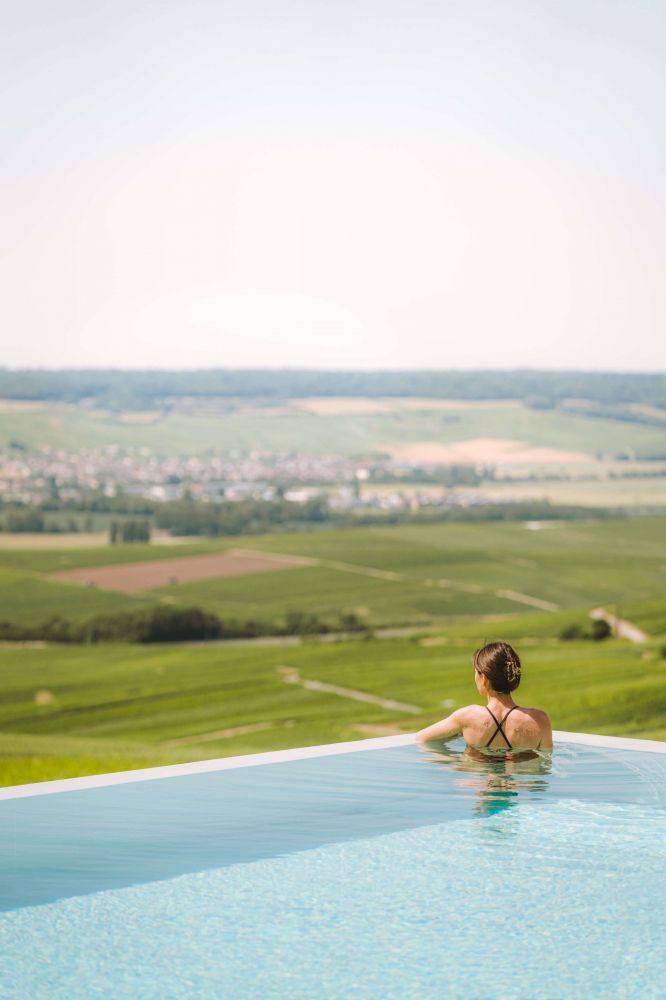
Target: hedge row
169	624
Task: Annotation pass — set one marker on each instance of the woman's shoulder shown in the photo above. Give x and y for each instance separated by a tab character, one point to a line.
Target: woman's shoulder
480	711
537	714
539	723
469	713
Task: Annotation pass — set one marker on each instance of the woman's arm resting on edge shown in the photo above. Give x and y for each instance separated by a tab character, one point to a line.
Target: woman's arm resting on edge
443	730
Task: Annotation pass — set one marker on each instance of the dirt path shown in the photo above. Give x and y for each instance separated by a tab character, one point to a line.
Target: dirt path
621	628
443	582
291	676
219	734
535	602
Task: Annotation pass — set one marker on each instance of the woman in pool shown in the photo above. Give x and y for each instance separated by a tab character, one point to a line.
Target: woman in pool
501	725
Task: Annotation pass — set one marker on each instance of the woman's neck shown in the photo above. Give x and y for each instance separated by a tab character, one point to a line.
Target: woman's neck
499	700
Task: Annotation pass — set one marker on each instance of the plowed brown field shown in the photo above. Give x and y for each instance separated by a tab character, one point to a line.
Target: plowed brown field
134	577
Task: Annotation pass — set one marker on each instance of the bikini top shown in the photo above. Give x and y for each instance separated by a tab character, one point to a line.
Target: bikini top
499	728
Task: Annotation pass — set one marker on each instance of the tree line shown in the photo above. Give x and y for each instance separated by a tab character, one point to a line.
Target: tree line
150	389
188	516
132	530
247	517
239	517
173	624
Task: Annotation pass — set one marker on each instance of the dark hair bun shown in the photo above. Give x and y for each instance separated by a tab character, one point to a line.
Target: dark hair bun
500	665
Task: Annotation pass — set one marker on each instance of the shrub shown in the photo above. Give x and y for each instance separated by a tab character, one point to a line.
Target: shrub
573	631
154	625
350	622
600	630
597	631
179	625
19	519
303	623
134	530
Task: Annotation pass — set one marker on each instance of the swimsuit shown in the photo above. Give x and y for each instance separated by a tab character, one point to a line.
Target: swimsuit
499	727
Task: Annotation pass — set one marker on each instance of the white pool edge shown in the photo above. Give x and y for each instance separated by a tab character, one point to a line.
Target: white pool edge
282	756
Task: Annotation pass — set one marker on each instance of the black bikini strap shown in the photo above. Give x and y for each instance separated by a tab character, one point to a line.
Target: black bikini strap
499	725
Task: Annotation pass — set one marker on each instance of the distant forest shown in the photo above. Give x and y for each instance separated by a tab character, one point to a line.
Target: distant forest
119	389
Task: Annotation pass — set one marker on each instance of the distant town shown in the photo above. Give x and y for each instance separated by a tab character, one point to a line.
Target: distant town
55	490
217	452
48	475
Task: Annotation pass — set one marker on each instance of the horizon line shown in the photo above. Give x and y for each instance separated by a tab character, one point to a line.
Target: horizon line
44	369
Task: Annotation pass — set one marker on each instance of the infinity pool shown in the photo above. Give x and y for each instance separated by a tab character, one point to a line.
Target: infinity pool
379	872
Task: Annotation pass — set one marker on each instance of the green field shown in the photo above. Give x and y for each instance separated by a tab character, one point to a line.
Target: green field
76	710
241	428
649	616
119	707
388	576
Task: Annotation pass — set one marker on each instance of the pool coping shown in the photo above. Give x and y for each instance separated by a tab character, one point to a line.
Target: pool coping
282	756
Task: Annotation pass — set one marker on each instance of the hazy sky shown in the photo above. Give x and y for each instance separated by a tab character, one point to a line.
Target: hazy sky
333	183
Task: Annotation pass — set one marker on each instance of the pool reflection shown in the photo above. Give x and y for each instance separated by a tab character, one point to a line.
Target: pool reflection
498	779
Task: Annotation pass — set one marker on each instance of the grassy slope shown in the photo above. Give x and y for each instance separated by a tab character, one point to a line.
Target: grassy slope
650	616
573	564
327	592
439	571
119	707
174	433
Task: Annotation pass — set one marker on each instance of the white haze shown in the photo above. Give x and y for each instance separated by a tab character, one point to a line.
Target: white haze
341	185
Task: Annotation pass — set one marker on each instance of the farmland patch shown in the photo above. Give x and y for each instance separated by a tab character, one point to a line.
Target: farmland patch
22	541
336	406
134	577
486	451
20	405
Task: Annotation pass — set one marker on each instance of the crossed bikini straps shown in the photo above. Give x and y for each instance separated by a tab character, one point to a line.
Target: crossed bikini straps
499	725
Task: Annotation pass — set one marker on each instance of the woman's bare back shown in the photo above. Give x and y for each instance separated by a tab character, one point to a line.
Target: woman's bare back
524	728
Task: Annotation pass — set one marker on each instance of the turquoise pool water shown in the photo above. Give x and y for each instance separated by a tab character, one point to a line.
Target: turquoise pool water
376	874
